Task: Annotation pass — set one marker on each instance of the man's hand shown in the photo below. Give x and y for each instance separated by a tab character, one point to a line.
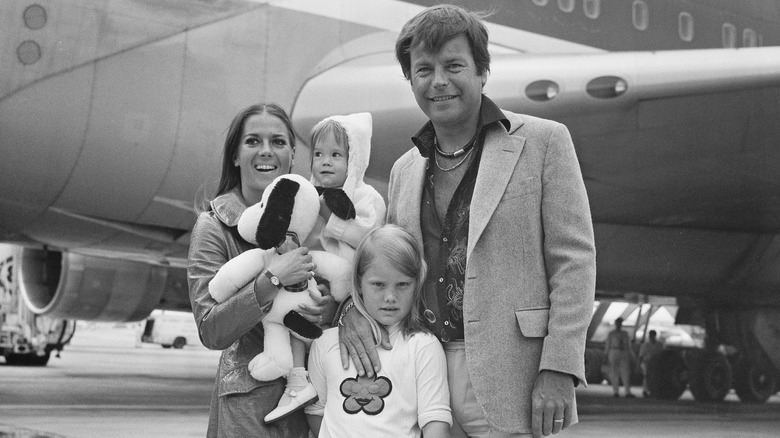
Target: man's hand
356	341
552	399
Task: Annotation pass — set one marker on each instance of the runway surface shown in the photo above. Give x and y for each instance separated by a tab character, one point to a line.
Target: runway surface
105	384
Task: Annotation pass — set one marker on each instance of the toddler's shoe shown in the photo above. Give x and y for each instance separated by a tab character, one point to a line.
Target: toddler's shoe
298	394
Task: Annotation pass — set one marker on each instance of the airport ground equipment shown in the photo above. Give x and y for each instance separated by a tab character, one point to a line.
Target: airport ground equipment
739	351
26	338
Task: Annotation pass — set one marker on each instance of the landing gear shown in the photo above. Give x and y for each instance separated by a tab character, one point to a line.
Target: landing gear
711	377
667	375
755	385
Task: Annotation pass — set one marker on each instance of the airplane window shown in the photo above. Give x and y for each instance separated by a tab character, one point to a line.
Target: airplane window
541	2
605	87
592	8
685	26
749	38
566	5
542	91
29	52
640	15
729	35
35	17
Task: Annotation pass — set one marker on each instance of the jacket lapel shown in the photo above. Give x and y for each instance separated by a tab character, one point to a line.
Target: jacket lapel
411	196
499	157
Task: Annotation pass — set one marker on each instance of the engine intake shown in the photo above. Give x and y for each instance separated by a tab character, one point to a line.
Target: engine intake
75	286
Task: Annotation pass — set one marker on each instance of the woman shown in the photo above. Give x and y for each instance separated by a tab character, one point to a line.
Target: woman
260	146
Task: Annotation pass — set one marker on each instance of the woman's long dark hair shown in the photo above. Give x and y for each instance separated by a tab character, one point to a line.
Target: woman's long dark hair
231	175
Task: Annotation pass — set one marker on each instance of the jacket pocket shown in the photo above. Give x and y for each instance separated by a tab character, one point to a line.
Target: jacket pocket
522	187
239	381
533	321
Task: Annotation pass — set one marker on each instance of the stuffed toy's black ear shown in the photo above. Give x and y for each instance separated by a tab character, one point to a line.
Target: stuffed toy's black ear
302	326
339	203
273	225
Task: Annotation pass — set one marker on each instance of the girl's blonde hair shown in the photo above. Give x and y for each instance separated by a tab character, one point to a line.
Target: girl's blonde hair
404	254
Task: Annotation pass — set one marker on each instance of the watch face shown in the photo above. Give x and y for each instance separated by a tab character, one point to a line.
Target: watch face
274	279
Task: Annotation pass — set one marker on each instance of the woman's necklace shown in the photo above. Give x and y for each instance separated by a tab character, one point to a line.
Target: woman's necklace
456	154
462	160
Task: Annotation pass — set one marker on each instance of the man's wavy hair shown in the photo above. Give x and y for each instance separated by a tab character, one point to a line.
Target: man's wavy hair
433	27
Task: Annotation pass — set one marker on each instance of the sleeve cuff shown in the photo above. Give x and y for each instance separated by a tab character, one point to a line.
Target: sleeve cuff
442	415
262	298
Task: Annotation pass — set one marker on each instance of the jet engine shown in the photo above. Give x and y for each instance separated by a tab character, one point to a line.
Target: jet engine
76	286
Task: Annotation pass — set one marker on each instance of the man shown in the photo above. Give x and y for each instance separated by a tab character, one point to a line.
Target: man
620	356
498	202
646	352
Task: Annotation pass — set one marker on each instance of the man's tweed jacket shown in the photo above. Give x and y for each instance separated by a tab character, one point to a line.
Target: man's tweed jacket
531	262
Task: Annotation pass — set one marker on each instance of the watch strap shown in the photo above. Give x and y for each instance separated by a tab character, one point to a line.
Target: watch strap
274	279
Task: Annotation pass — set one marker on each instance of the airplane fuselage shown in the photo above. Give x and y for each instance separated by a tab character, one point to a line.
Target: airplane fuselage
112	118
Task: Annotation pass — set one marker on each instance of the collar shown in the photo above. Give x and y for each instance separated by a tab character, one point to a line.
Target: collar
395	329
489	113
228	206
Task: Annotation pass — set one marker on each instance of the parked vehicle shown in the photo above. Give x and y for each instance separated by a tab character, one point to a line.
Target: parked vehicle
170	329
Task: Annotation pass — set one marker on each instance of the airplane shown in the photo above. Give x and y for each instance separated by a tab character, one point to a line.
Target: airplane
113	114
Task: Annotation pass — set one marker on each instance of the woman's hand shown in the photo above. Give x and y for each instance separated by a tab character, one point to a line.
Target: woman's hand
293	266
323	311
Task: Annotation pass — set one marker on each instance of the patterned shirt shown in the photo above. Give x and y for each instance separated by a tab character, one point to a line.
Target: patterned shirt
445	241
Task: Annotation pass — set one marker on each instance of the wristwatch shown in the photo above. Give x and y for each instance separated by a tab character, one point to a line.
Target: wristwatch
274	279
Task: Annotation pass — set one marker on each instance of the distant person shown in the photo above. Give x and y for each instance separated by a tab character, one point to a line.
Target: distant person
341	146
497	201
409	397
260	146
619	356
647	351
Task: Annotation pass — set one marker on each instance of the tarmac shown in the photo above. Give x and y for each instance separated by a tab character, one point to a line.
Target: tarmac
107	384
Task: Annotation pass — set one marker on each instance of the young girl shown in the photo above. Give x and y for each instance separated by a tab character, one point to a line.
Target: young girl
410	395
341	146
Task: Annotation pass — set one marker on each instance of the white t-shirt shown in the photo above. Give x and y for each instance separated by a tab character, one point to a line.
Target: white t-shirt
409	392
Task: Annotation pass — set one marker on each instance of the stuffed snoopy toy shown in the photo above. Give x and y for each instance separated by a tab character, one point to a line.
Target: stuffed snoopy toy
289	207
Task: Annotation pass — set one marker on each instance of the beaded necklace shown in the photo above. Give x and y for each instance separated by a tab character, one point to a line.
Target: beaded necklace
462	160
459	152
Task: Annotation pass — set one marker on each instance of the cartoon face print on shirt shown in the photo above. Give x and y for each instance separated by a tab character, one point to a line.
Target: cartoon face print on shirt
365	394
